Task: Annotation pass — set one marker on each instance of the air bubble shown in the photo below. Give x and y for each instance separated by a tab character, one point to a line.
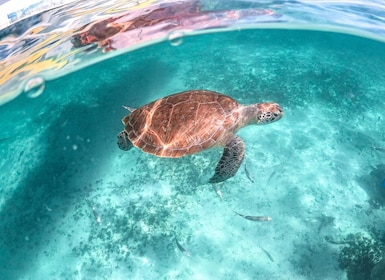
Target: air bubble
175	38
34	87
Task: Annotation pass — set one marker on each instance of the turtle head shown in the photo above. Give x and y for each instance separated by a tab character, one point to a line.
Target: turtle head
268	113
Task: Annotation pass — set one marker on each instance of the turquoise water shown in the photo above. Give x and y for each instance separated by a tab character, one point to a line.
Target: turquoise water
317	172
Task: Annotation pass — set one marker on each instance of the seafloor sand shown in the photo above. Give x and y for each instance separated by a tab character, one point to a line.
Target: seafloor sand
317	172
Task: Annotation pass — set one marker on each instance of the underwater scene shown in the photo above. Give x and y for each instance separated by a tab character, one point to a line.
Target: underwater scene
305	201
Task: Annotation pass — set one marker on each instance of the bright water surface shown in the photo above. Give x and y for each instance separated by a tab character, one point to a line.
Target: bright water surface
318	173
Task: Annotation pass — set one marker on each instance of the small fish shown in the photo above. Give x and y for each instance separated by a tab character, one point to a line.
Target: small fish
335	241
380	149
96	214
129	108
270	177
248	175
218	192
180	247
255	218
267	253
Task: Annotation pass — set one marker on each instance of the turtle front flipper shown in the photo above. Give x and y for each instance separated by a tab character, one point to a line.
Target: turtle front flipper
123	142
230	161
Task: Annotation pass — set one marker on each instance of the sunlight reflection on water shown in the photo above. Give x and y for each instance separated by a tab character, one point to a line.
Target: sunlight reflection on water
72	36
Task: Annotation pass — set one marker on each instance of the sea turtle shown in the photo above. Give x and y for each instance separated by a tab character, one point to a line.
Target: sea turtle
191	121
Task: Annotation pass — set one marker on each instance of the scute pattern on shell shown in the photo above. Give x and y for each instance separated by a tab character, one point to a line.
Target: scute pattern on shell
183	123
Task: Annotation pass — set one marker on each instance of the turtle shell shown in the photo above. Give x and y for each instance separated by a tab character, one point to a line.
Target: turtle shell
183	123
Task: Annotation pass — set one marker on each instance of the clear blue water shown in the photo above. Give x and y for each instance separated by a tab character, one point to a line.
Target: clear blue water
318	172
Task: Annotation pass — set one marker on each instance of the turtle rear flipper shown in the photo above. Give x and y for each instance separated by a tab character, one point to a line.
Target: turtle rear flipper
230	161
123	142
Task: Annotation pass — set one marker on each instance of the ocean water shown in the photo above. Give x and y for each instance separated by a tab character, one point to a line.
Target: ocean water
75	206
